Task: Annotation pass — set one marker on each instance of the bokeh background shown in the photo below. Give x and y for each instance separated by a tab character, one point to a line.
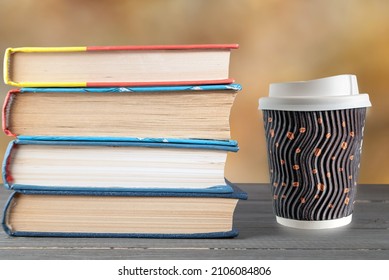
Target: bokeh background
279	41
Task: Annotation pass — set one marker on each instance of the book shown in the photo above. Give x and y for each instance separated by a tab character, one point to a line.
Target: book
133	214
116	166
196	112
117	65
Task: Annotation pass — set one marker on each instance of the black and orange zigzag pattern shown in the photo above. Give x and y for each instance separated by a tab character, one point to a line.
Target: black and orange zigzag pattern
314	161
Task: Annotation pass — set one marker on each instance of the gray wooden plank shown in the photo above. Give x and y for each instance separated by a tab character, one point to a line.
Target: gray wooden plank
267	238
185	254
260	214
260	237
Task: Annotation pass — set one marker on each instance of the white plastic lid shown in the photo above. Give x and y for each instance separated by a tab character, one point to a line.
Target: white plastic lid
330	93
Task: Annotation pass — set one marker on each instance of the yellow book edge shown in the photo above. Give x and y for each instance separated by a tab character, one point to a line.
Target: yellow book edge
10	51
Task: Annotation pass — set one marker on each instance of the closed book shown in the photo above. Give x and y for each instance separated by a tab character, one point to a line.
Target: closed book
186	112
125	214
116	166
117	65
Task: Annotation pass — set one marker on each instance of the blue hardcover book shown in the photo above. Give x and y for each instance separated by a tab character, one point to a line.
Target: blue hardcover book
136	214
80	166
164	113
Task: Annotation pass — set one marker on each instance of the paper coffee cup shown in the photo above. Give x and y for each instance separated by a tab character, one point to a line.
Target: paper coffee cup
314	134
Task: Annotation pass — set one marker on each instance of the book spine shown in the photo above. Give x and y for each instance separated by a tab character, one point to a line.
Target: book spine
7	177
6	210
6	109
6	69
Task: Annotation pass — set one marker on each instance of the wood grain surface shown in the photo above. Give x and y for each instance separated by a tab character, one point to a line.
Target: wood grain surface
367	237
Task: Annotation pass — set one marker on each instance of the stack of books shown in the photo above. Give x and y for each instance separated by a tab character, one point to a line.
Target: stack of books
136	151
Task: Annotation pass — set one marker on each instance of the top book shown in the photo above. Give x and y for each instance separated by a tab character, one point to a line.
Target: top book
117	65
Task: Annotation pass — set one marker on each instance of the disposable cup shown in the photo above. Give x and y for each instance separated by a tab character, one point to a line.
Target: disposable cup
314	135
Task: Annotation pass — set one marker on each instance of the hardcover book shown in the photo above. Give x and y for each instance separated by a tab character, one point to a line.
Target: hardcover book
117	65
116	166
132	214
186	112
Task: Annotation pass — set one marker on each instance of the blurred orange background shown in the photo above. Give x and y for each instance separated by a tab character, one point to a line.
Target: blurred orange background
279	41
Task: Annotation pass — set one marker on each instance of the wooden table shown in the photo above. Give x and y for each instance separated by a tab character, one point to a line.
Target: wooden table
367	237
